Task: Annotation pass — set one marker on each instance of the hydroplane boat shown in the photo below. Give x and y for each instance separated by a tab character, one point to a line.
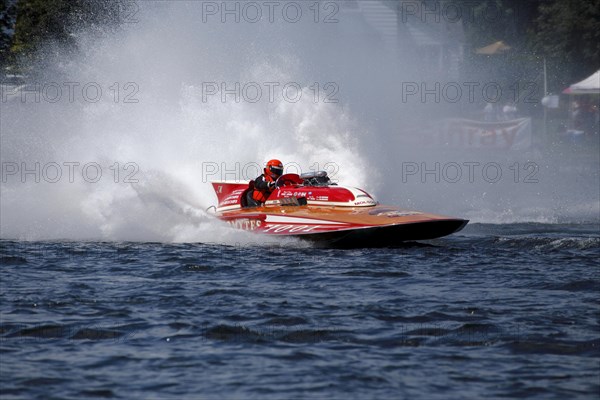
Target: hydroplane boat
309	206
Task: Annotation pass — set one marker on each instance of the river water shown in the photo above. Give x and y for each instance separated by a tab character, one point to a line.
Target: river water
495	311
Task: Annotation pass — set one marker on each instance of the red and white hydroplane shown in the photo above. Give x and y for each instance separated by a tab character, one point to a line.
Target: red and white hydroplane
310	207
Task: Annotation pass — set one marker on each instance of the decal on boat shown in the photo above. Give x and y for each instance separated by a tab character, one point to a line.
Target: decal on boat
391	213
278	219
291	228
245	224
363	202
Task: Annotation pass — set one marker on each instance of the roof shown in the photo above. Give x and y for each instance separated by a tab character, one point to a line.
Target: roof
590	85
494	48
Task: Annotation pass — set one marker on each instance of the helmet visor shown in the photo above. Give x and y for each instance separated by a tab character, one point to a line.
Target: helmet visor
276	170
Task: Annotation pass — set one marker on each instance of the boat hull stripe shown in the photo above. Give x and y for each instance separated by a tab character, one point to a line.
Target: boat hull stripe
276	219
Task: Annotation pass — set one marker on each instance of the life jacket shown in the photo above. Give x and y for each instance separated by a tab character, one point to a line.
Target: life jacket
262	196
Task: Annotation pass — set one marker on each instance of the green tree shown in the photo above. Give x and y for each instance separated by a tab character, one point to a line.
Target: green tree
39	22
8	13
565	32
568	33
489	21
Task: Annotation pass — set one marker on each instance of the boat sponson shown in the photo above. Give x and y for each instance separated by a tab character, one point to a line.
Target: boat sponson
389	235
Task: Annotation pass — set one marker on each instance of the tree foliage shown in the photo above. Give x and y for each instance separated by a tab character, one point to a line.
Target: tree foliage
8	15
60	21
565	32
569	31
489	21
44	26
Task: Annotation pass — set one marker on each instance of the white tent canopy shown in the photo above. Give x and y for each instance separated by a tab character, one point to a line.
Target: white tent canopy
590	85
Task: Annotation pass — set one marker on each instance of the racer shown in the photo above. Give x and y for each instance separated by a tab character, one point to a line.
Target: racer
265	184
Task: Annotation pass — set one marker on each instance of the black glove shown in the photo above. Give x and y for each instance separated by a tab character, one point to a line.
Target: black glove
271	185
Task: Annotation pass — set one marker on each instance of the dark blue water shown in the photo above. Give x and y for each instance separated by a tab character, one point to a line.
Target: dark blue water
496	311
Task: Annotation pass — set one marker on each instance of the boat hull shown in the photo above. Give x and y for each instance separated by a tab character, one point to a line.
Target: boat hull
387	236
344	226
